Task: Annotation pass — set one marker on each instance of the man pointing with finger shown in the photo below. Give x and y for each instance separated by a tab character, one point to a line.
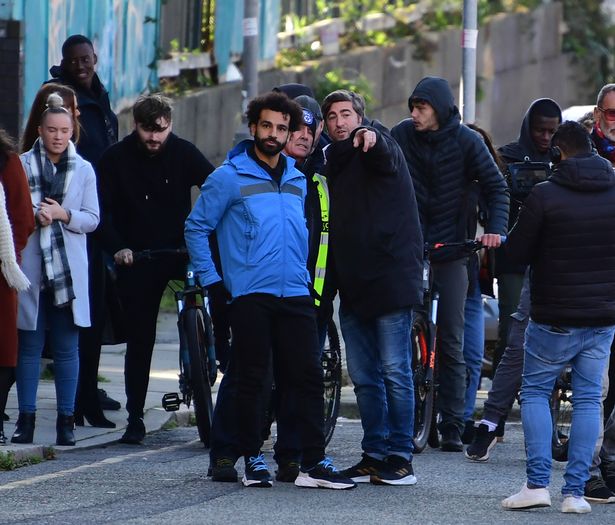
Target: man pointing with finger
376	253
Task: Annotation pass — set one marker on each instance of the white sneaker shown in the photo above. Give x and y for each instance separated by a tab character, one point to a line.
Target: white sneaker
575	505
528	499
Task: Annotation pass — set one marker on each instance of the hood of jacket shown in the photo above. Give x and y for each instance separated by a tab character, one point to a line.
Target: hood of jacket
588	173
437	92
83	95
524	145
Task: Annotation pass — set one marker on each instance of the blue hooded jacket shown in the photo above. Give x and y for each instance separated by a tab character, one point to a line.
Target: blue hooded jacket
260	225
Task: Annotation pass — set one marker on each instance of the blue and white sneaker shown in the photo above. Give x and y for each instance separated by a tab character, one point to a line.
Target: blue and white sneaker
256	473
324	475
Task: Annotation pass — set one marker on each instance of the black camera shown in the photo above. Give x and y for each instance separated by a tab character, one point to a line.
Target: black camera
523	176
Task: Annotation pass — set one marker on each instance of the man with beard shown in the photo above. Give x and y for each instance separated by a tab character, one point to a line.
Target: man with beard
145	183
255	204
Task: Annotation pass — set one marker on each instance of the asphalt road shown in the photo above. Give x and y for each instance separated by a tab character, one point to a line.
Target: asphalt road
164	482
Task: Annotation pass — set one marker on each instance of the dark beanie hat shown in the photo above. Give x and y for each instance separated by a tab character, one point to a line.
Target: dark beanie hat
294	90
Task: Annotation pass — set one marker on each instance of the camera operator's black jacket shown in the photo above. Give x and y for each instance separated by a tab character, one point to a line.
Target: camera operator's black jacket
566	233
376	246
444	164
518	151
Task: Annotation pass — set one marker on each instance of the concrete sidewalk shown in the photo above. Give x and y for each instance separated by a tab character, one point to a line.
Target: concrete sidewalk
163	379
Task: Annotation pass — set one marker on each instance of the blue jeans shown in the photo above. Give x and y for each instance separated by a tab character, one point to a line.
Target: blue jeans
546	353
473	347
378	357
57	324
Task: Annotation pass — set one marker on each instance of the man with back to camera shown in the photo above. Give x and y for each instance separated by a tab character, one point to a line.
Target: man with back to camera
564	223
255	204
444	158
145	182
99	130
376	261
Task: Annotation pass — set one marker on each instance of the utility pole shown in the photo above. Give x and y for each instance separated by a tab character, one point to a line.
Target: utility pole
469	40
250	48
249	62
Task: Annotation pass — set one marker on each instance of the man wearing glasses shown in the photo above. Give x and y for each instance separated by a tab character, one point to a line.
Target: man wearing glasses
603	134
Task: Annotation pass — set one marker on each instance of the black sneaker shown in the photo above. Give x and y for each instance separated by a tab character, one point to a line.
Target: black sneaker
450	440
256	473
596	491
362	471
468	433
325	476
106	402
135	433
224	470
483	442
608	474
287	472
2	438
399	473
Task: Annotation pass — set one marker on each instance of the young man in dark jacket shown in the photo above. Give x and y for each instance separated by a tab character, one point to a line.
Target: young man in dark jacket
566	233
99	130
145	183
445	158
376	257
538	126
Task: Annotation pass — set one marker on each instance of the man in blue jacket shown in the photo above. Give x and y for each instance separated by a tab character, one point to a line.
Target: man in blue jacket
255	204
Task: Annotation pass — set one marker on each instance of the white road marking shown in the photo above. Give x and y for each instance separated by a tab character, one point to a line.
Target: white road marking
98	464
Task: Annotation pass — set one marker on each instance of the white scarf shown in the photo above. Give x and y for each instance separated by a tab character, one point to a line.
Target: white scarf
10	269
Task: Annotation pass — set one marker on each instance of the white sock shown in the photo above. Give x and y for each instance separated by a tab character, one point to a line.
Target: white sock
491	426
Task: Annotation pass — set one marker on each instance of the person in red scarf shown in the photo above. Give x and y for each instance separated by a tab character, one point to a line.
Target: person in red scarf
603	134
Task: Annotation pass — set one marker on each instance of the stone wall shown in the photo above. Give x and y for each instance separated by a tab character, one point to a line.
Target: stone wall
519	60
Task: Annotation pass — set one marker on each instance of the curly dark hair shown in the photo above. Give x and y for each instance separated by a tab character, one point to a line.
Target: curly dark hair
275	101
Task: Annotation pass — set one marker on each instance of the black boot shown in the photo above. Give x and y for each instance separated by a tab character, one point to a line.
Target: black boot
24	428
135	432
65	430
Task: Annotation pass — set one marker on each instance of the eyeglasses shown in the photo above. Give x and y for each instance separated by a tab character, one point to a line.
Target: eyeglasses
609	114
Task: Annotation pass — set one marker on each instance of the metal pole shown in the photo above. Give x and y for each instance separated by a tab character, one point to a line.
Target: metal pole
249	61
468	42
250	48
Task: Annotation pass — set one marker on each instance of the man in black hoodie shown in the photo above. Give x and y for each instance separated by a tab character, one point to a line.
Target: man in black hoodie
447	161
145	183
566	233
538	126
375	256
99	130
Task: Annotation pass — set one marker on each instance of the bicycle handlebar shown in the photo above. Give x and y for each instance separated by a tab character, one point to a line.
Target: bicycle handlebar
470	244
156	252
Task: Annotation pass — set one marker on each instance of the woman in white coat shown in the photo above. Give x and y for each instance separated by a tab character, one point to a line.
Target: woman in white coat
65	206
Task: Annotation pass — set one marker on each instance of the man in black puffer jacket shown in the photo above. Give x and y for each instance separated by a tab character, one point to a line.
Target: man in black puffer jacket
566	233
376	249
445	159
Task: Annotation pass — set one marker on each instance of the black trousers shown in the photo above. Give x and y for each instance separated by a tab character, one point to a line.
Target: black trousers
90	339
282	332
141	287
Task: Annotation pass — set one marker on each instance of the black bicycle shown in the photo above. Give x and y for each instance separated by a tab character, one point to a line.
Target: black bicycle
424	350
197	355
561	414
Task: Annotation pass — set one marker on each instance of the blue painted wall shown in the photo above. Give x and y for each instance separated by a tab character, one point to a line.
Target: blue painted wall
124	42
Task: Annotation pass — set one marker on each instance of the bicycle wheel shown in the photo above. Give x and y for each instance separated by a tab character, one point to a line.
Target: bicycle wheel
561	416
195	331
423	391
332	369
